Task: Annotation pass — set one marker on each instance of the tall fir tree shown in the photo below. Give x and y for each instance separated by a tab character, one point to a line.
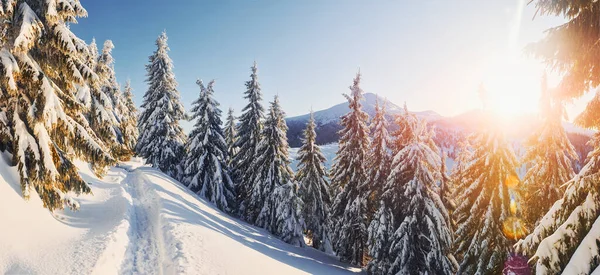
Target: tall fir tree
388	214
42	123
348	214
406	123
206	171
274	203
380	233
84	92
463	158
421	238
550	157
248	137
459	178
106	71
314	189
102	117
129	119
379	162
566	239
287	222
446	191
271	167
109	102
484	206
161	139
379	158
230	135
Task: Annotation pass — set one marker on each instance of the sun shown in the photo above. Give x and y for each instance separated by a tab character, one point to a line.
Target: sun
512	83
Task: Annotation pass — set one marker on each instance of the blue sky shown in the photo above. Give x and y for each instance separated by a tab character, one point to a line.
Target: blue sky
431	54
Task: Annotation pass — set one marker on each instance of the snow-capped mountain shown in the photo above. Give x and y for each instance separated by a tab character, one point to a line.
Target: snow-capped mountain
449	130
517	126
328	120
334	113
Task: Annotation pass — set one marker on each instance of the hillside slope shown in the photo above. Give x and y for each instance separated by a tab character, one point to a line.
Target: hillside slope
140	221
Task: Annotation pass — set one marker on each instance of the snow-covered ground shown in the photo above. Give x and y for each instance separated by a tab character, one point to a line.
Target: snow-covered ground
140	221
329	151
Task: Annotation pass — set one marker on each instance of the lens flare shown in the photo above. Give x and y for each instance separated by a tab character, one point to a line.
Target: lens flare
512	181
514	228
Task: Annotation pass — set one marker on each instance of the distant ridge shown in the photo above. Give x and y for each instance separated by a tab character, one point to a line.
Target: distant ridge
328	121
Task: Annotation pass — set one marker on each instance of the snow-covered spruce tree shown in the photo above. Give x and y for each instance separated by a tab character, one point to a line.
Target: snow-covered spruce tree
101	116
406	123
379	162
484	206
381	226
106	71
459	178
348	214
230	135
446	191
314	189
565	240
379	159
161	139
388	214
422	239
206	171
121	108
274	195
84	94
248	137
380	232
550	156
271	168
287	223
43	66
463	158
129	119
104	117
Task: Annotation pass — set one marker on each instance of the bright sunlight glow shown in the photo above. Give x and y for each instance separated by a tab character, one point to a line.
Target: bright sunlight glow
511	79
512	83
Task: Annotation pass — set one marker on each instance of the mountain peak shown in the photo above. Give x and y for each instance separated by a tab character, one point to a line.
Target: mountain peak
329	118
369	102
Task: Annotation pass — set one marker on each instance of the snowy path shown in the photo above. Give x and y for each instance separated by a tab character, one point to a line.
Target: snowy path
146	249
140	221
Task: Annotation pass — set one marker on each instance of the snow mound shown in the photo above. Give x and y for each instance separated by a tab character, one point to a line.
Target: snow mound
140	221
35	241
